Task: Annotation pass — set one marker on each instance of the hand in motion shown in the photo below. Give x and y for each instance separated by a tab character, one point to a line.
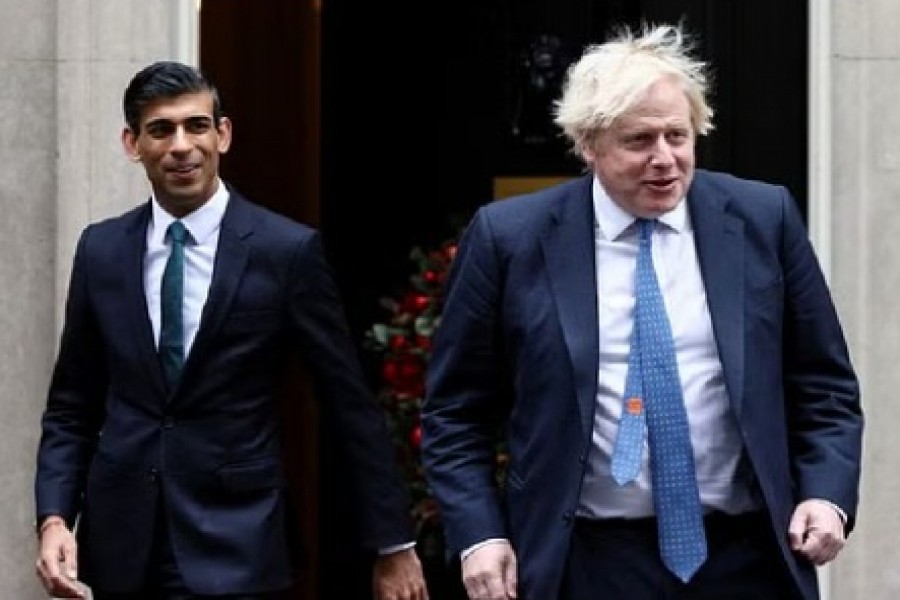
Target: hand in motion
57	561
489	573
816	531
398	576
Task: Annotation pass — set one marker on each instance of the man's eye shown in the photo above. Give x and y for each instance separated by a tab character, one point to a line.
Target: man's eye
160	130
200	125
638	139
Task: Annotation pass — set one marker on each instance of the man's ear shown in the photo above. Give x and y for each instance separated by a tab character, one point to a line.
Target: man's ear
588	155
129	144
224	129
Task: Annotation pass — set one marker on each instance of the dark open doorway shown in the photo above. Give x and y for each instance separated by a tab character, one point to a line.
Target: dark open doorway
420	105
388	123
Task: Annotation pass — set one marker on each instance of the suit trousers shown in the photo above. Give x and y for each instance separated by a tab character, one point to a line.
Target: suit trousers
618	559
163	580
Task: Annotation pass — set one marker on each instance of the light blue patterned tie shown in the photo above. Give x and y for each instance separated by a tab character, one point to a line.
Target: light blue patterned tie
628	451
682	540
171	332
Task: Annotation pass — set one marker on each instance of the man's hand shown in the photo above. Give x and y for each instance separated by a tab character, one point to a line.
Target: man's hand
398	576
816	531
57	562
489	573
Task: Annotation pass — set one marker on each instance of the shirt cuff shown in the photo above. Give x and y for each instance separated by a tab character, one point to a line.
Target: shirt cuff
465	553
395	548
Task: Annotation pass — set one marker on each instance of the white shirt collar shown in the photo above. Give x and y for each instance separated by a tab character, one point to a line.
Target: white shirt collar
200	223
613	220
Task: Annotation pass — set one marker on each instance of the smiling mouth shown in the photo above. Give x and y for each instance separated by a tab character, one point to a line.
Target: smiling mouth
183	170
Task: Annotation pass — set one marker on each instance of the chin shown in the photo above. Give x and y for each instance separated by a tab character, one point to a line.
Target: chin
655	208
187	193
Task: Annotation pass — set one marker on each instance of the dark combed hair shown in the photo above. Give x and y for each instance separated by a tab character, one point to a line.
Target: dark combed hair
165	79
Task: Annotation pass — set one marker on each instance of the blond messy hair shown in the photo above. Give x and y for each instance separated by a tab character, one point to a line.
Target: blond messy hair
609	79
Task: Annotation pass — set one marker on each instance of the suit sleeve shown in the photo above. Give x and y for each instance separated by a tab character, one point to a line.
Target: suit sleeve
316	313
74	411
466	400
825	421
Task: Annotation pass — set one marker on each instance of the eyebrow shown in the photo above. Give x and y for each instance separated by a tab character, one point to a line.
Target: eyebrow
165	121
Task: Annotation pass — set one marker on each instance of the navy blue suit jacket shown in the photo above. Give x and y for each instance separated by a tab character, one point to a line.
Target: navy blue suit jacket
119	450
518	346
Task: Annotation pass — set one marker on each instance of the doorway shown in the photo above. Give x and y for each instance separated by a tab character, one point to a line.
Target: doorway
388	124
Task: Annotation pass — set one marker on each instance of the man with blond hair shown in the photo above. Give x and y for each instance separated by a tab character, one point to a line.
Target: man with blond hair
660	347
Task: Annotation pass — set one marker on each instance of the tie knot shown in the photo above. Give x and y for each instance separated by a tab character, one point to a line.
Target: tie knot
177	232
645	227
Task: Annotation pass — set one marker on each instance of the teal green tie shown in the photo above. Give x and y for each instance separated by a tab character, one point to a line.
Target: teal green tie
171	333
653	395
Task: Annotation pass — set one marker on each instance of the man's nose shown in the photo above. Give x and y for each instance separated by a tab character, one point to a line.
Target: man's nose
662	154
181	141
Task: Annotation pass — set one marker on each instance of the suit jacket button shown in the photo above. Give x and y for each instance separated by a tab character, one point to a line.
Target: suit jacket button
154	475
168	423
567	518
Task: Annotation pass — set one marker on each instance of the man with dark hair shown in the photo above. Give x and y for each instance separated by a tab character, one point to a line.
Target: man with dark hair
160	434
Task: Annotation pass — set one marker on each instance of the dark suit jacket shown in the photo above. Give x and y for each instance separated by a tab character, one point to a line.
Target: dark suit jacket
121	450
518	342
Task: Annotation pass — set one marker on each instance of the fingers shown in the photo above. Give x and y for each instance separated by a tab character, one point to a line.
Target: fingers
57	566
411	590
487	586
70	561
511	578
399	576
422	591
820	547
816	531
55	580
489	573
797	530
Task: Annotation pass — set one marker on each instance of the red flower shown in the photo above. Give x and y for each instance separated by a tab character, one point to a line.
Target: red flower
405	373
415	437
415	302
398	342
389	371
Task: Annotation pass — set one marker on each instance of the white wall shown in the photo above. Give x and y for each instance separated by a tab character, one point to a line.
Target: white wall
63	68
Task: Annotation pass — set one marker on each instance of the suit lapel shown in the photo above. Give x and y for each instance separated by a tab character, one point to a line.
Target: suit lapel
568	247
133	276
720	248
232	256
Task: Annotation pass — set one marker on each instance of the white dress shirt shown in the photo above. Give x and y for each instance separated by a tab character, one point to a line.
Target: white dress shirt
714	434
199	258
